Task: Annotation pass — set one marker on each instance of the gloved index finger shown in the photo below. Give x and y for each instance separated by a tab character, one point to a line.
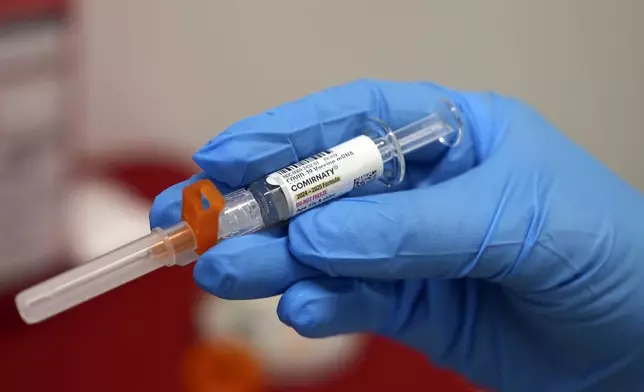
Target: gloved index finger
264	143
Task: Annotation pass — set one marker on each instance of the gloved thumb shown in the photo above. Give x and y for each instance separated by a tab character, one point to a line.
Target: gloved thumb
457	228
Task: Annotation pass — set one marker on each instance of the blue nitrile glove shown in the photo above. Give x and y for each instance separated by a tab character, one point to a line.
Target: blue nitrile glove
515	259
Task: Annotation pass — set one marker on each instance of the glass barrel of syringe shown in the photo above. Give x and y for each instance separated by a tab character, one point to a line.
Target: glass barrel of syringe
377	155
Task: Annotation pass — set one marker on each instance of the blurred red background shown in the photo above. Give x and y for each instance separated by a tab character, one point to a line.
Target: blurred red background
18	9
133	338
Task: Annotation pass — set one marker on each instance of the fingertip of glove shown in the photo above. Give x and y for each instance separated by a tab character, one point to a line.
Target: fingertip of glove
253	266
216	159
240	158
214	276
325	307
346	236
318	235
160	214
166	207
304	312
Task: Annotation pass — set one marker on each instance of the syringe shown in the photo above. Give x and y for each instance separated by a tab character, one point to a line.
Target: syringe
379	153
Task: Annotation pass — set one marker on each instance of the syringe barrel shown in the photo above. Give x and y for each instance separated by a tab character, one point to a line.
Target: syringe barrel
378	154
158	249
443	124
241	215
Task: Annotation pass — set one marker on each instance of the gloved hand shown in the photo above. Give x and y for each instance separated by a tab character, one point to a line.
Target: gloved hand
515	259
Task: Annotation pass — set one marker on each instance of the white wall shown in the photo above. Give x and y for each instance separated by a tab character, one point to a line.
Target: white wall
178	72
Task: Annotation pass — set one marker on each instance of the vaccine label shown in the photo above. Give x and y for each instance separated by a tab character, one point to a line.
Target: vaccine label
329	174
